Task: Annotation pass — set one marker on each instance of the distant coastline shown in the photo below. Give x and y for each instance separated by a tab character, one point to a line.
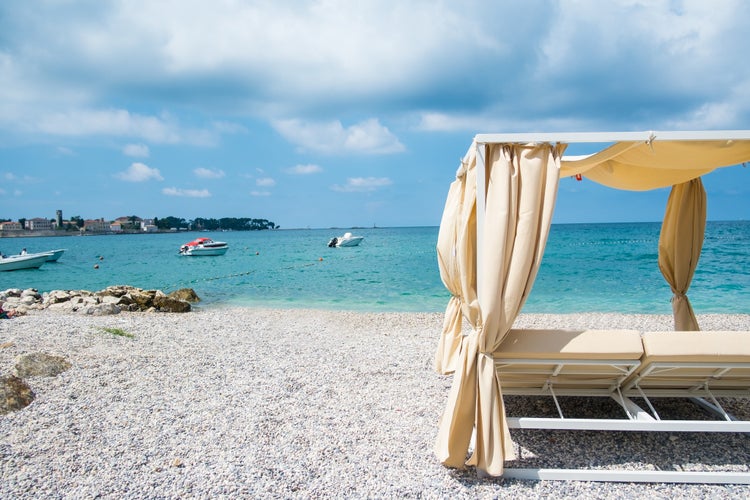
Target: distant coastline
54	233
48	234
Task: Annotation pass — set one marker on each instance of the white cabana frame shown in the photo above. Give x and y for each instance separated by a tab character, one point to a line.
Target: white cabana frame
481	140
682	157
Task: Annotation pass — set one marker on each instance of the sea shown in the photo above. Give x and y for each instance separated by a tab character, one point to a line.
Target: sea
586	268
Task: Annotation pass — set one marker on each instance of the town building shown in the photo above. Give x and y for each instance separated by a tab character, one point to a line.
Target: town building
11	226
95	226
39	224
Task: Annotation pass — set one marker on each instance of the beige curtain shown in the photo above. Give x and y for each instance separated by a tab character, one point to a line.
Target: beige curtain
680	244
456	250
521	189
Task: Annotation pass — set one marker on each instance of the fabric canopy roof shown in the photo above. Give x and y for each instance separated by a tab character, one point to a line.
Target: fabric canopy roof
639	161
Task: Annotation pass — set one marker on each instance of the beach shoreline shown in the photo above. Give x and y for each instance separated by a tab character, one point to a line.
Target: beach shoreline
292	403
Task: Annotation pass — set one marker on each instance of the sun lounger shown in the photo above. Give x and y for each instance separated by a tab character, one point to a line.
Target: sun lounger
625	365
568	363
699	365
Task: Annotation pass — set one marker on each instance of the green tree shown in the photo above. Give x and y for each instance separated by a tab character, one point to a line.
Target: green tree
77	220
171	222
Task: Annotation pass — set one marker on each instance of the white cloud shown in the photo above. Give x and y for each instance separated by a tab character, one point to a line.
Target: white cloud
665	59
260	193
116	122
188	193
26	179
139	172
362	184
265	182
207	173
304	169
369	136
136	150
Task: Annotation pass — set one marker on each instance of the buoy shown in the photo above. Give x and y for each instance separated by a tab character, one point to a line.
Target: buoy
320	259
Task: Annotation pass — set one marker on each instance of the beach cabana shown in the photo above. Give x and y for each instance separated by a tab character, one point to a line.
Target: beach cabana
491	241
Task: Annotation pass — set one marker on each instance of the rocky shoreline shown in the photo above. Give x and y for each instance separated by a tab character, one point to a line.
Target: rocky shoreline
111	300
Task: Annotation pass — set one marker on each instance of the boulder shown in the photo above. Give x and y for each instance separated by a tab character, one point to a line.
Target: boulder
186	294
142	298
168	304
15	394
40	364
104	309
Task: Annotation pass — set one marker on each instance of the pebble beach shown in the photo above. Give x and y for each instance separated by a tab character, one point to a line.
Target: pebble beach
270	403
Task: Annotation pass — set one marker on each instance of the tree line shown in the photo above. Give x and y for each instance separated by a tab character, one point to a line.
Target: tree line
225	223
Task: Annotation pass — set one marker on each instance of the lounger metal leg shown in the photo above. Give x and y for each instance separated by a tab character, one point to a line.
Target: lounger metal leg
557	404
648	402
634	411
714	407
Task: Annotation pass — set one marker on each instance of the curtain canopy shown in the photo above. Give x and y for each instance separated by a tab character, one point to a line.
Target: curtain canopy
521	188
492	237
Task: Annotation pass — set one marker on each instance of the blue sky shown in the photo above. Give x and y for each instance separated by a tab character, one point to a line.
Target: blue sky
339	113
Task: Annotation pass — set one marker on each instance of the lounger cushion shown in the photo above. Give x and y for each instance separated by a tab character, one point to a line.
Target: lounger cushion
571	344
698	347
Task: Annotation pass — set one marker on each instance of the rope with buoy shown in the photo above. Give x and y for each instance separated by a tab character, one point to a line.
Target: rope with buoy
184	284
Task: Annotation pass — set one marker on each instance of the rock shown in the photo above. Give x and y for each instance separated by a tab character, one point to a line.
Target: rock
144	299
116	290
57	296
168	304
31	293
100	310
13	292
27	300
15	394
111	300
40	365
186	294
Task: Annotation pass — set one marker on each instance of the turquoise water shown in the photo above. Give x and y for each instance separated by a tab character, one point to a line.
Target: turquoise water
586	268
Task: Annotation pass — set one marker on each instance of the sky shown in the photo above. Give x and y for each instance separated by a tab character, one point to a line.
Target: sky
335	113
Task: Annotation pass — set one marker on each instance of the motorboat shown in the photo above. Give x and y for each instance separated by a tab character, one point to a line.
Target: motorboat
348	240
204	246
27	261
54	254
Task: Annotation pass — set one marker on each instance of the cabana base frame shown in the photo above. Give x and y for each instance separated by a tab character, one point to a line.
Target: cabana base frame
633	369
627	476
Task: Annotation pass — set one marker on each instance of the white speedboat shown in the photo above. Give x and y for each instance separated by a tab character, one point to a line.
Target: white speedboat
28	261
204	246
54	254
348	240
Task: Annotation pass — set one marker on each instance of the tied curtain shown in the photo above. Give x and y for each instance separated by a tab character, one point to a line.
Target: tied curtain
489	272
680	244
456	251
